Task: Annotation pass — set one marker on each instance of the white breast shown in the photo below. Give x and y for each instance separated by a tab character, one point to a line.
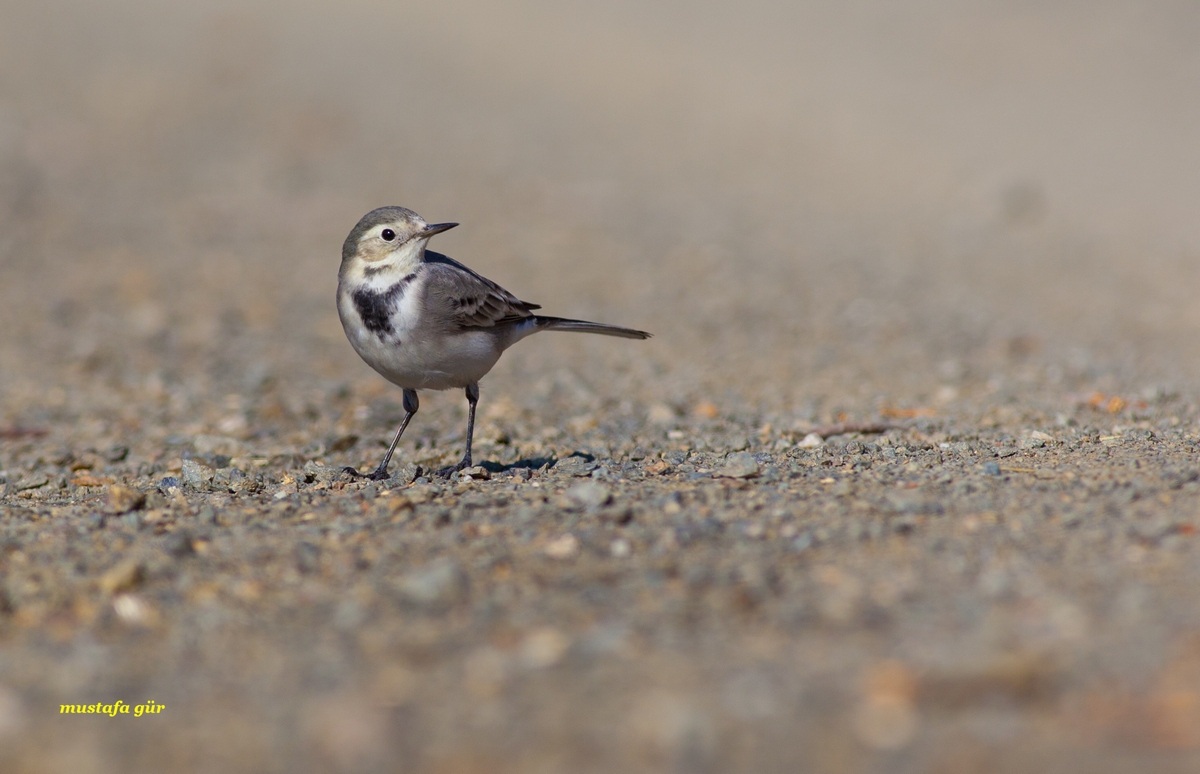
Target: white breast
414	355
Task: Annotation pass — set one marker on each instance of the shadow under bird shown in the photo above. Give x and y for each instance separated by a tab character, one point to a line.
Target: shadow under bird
424	321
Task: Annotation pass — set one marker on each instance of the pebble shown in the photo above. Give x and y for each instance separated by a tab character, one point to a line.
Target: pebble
562	547
34	481
658	467
739	465
575	466
132	610
811	441
126	575
320	472
119	498
195	474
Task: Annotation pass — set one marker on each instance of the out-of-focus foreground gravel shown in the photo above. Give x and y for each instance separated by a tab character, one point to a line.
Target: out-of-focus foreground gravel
906	481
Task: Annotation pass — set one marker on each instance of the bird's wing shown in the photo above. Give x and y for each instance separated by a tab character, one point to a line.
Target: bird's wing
469	299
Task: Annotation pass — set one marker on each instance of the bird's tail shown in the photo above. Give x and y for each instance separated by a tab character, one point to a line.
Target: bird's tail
583	326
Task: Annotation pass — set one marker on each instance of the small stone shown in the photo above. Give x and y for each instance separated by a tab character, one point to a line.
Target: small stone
575	466
123	499
811	441
320	472
589	495
658	467
196	475
83	478
991	468
476	473
132	610
1033	440
739	465
438	584
239	482
34	481
124	576
563	547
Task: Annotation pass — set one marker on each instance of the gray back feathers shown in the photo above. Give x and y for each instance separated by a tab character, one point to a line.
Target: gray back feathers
467	298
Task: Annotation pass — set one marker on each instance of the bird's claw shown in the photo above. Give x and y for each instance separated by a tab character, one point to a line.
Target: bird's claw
462	464
379	474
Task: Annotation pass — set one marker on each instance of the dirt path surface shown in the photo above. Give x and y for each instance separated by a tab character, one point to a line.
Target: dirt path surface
907	480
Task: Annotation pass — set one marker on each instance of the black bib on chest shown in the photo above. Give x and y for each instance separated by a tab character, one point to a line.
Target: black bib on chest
375	308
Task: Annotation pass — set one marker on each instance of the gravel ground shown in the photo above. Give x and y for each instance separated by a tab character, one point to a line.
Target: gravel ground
907	480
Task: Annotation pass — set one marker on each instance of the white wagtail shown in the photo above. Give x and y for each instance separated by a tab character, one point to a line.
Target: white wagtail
425	321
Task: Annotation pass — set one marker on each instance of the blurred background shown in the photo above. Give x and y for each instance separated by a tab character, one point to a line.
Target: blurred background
821	209
789	194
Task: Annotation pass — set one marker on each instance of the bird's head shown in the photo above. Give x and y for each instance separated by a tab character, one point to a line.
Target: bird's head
389	237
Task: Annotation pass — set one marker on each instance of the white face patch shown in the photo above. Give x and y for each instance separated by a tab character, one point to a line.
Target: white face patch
372	247
381	261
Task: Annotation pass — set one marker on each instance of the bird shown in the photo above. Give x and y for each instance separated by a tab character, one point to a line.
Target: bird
424	321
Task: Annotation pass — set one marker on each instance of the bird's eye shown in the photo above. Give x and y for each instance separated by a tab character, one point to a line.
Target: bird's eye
387	234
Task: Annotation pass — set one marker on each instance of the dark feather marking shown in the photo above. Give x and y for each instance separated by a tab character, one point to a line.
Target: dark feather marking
485	305
375	309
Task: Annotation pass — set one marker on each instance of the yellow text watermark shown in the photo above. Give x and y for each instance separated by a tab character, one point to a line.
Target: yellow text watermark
112	709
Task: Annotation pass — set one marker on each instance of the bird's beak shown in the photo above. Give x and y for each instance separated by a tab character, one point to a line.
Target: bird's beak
436	228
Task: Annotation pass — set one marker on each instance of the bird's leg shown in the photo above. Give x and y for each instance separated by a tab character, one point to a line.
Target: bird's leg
411	404
472	399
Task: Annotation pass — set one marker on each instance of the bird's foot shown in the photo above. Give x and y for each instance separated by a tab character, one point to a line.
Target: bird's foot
462	464
379	474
